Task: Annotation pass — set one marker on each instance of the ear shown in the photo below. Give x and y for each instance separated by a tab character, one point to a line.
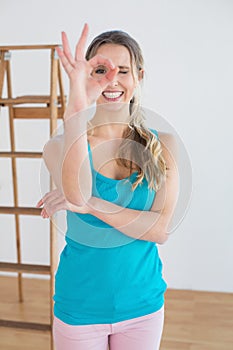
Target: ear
141	74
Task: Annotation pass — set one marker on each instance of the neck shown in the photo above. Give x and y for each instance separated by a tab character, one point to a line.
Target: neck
109	122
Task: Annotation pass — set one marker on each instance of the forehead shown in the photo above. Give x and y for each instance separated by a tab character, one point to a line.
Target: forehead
119	54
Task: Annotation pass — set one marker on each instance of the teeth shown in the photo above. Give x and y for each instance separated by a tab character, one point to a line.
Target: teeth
112	94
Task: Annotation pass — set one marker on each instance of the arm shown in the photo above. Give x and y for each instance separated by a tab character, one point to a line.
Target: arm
145	225
66	157
133	223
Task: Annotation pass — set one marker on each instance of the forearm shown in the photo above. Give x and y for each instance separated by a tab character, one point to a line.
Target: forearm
76	174
143	225
137	224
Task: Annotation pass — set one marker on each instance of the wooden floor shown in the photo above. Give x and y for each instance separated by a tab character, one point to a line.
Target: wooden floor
193	320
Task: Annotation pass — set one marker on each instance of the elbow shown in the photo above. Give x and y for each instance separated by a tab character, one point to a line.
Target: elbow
163	237
159	232
163	234
159	237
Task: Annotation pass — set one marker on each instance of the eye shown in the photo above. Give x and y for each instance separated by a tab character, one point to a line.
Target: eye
123	71
100	70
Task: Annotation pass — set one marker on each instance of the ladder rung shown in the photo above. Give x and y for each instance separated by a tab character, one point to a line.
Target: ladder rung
35	112
27	47
20	210
27	99
28	268
25	325
20	154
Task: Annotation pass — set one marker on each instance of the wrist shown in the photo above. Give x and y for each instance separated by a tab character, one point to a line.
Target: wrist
72	109
80	111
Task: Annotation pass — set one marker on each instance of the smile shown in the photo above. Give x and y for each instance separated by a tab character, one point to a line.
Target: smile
112	96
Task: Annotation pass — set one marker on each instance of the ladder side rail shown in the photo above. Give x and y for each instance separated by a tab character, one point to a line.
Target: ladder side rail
53	126
14	177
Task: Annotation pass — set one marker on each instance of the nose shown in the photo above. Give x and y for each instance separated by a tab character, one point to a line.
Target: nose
114	82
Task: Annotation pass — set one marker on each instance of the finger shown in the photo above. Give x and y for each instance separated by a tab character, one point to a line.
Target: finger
53	204
98	60
66	49
44	213
80	47
56	201
65	62
51	210
54	193
38	204
44	198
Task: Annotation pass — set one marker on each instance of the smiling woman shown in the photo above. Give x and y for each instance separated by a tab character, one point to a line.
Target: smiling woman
124	92
103	70
123	85
117	180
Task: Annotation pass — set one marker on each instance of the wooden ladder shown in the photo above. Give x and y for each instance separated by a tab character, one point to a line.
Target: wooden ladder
53	108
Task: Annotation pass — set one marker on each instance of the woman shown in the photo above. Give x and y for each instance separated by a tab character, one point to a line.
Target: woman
108	167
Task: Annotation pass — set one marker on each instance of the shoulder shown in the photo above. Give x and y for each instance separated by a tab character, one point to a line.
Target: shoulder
169	148
167	138
55	140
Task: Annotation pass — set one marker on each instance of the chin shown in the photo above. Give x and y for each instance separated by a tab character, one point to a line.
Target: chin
113	106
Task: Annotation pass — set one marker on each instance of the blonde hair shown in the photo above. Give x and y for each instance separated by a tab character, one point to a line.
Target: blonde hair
149	162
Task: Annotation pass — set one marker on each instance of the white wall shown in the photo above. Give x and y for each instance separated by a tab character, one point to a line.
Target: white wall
188	49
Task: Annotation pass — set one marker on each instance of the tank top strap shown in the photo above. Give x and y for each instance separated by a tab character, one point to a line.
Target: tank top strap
90	154
155	132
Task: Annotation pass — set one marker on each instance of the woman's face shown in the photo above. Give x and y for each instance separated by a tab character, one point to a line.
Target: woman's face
121	89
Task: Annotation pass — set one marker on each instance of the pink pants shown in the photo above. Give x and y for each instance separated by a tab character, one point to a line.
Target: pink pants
141	333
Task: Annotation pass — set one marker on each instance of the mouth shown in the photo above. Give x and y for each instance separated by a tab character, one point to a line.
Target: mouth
112	95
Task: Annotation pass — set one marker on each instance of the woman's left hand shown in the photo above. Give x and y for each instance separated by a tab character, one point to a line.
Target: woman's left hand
54	201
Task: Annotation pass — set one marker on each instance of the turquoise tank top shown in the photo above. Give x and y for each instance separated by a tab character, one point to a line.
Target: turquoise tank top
105	276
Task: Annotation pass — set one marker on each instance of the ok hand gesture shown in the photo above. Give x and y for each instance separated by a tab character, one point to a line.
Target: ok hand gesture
84	89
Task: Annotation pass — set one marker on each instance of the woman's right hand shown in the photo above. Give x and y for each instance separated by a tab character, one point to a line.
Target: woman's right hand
84	89
54	201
